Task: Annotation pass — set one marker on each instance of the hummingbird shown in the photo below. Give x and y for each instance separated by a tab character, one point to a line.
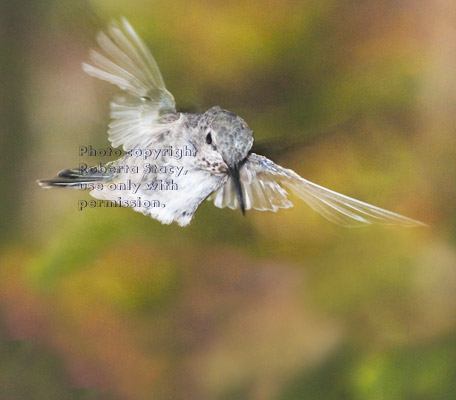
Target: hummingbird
218	164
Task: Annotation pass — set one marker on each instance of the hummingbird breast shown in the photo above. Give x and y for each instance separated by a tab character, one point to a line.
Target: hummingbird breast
166	170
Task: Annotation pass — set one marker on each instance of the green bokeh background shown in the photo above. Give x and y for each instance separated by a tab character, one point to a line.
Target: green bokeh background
108	304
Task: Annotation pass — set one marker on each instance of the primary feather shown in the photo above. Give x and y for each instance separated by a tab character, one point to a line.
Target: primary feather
264	183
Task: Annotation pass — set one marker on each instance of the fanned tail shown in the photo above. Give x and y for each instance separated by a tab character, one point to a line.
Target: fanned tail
73	178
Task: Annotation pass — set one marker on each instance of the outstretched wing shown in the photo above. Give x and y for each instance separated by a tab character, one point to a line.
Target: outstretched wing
124	60
263	184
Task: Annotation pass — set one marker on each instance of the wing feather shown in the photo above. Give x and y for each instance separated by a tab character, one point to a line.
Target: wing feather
264	182
124	60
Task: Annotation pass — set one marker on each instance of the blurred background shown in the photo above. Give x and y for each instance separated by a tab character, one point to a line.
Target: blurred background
109	304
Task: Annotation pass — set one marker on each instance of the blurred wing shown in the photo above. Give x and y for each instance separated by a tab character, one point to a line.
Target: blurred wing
124	60
262	184
277	148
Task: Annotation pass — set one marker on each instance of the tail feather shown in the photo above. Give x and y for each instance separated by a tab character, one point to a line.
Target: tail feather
73	178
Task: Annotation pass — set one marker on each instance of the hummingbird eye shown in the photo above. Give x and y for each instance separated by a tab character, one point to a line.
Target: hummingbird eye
208	138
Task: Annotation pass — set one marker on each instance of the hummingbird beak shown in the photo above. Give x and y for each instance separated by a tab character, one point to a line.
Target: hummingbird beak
234	172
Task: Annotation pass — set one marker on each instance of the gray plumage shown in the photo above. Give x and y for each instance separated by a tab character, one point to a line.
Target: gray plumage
217	165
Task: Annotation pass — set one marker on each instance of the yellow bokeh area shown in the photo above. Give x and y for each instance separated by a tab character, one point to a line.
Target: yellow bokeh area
105	303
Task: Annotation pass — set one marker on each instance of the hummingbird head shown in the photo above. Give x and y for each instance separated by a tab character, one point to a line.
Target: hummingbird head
227	134
226	138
